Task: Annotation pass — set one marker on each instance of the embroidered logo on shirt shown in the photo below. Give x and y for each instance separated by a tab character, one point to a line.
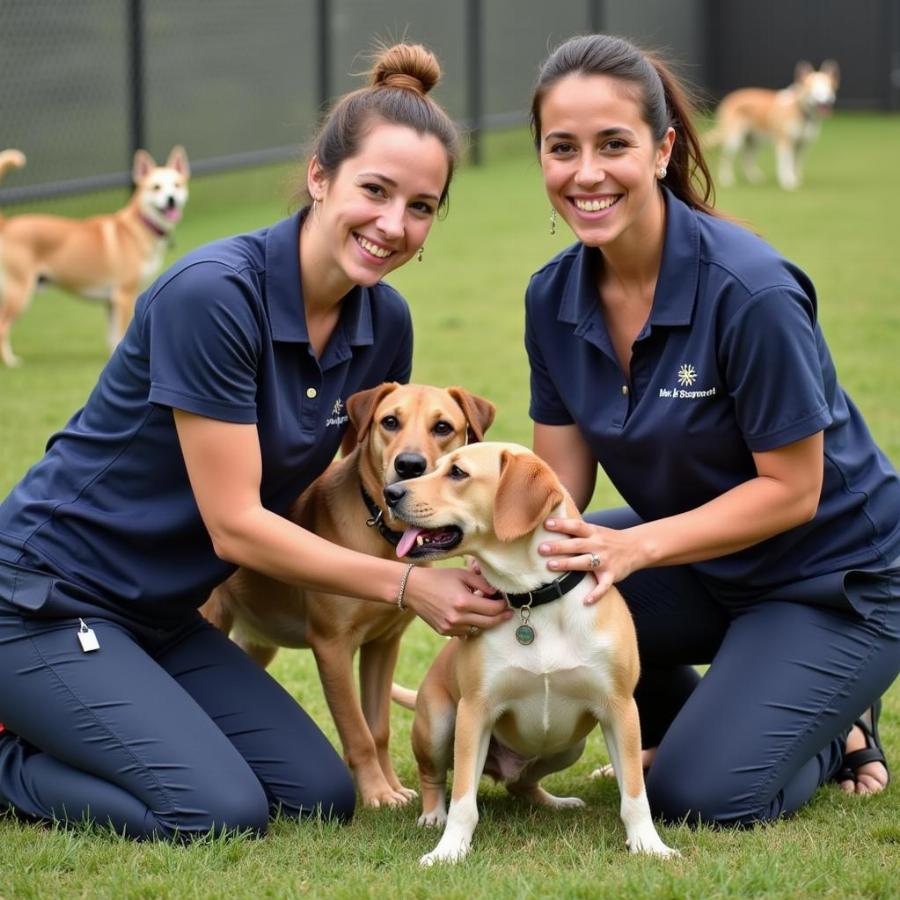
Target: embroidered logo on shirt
338	417
687	375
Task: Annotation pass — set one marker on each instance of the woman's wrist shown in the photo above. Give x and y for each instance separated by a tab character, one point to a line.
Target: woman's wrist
647	550
400	598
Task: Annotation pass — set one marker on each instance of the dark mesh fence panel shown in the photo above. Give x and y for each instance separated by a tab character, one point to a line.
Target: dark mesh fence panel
230	78
517	38
64	88
358	24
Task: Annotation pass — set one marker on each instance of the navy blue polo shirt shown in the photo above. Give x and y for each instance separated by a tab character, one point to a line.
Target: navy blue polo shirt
731	361
109	509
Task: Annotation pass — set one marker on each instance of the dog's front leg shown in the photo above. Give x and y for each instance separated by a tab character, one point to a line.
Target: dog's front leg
334	658
377	661
473	734
622	731
786	164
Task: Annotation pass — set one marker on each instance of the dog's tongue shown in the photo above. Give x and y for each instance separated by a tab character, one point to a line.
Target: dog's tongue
407	541
173	214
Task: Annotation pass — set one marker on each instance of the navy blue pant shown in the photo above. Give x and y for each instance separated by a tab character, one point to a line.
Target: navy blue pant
156	734
765	726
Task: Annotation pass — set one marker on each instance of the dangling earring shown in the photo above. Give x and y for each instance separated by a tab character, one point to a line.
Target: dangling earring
662	172
553	221
420	253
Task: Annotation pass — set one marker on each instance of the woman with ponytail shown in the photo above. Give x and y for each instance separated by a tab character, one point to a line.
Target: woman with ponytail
123	706
762	537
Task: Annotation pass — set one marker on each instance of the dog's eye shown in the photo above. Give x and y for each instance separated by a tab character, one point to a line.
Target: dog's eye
390	423
457	474
442	428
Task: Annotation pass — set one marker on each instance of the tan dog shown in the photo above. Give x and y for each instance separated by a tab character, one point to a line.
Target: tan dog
790	118
107	257
518	701
402	430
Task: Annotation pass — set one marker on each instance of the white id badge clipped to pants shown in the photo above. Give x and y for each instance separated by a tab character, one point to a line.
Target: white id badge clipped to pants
87	638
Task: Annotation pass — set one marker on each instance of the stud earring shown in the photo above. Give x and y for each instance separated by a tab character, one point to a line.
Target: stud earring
553	221
662	172
420	253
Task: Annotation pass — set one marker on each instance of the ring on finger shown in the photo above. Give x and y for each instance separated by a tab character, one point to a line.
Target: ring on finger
594	561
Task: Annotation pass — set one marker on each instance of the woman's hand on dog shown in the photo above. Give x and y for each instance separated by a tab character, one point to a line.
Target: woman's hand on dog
609	553
451	601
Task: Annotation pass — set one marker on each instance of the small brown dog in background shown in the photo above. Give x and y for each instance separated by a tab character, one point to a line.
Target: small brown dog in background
789	117
106	257
401	432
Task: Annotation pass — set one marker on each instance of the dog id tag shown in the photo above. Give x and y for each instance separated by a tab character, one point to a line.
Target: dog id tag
87	638
525	633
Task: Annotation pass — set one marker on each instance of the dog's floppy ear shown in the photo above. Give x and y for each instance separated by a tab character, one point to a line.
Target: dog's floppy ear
142	166
360	409
801	70
832	70
479	412
527	492
178	161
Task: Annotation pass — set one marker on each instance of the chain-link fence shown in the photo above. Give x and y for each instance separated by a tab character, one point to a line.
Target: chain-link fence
83	83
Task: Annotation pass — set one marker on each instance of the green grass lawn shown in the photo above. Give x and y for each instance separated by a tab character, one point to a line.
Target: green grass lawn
466	298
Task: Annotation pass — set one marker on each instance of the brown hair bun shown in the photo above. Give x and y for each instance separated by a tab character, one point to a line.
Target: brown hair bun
410	67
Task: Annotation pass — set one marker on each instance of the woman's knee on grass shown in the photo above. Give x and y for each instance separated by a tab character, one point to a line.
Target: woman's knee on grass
331	795
238	805
707	795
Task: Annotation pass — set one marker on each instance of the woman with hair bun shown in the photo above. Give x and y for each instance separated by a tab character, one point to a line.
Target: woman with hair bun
123	706
683	355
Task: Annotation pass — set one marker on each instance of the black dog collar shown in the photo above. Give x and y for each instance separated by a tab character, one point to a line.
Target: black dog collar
377	519
546	593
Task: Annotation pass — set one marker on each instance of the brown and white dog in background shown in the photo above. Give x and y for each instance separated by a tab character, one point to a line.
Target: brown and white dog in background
517	702
105	257
790	118
401	430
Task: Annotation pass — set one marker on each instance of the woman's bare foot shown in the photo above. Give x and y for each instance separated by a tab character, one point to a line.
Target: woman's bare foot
869	778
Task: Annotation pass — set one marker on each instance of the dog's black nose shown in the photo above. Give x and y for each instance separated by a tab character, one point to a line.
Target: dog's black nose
410	465
393	494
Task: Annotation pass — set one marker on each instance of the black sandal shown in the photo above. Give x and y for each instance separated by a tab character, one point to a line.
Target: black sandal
872	752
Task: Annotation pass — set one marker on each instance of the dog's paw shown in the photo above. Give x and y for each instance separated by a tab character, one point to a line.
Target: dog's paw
433	818
564	802
408	793
606	771
387	796
650	844
446	852
542	797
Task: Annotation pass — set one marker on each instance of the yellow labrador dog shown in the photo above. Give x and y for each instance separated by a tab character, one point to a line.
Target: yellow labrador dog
790	118
401	431
517	702
109	257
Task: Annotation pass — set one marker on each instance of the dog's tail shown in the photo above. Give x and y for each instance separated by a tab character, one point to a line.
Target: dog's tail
403	696
10	159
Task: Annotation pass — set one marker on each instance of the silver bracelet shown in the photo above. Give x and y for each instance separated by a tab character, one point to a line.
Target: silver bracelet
403	579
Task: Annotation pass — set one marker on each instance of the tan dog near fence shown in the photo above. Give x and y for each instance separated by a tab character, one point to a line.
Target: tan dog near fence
106	257
402	430
518	701
790	118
